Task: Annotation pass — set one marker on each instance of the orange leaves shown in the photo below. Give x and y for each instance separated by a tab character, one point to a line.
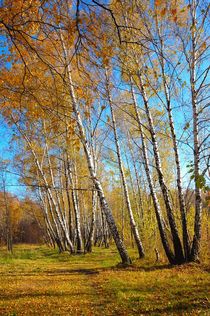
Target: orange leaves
163	12
158	3
174	11
166	12
179	12
54	8
18	12
71	32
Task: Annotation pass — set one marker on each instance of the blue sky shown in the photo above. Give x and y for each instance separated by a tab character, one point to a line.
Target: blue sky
7	152
7	149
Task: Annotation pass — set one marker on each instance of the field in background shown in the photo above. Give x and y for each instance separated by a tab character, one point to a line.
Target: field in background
36	280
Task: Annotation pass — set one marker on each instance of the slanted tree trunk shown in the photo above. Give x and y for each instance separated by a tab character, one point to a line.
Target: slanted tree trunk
104	205
53	234
186	241
179	256
124	182
158	213
76	213
55	202
134	193
137	182
56	224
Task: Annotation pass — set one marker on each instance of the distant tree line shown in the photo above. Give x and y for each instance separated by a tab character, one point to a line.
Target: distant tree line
19	221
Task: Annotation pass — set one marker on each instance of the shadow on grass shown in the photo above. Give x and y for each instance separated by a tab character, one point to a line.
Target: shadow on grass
73	271
157	267
89	271
11	297
180	308
56	272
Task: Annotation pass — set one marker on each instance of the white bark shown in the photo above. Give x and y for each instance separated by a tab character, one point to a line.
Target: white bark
124	182
198	200
186	241
104	205
174	231
158	213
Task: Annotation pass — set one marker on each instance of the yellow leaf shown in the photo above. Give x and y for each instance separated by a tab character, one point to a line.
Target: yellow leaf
203	46
87	114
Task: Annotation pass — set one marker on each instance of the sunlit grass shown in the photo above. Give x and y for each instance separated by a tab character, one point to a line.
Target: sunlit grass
36	280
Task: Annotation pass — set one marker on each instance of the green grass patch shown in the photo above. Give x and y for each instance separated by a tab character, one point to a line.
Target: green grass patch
36	280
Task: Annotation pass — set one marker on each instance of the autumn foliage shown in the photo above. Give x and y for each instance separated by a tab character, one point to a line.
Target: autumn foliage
108	103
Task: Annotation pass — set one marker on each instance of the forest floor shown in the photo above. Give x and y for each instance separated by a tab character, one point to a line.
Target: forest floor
36	280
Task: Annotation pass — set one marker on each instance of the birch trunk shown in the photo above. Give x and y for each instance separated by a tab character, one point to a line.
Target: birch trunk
90	240
76	213
198	200
55	234
57	224
56	195
137	181
158	212
124	182
46	215
179	256
49	192
186	241
104	205
66	170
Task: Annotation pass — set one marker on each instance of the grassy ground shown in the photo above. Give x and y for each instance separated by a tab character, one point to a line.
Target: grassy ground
36	280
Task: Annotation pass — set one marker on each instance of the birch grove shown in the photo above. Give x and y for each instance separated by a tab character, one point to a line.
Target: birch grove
109	102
